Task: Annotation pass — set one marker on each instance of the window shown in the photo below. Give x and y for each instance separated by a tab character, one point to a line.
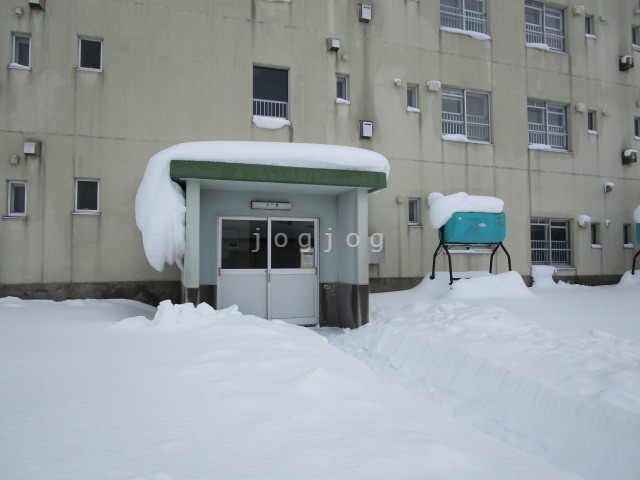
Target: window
16	199
635	36
592	121
636	127
595	234
544	25
626	235
270	92
87	196
548	124
588	25
342	88
465	112
21	56
412	98
550	242
89	54
414	211
468	15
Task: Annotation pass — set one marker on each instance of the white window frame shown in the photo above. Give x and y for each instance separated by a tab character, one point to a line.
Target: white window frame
95	40
342	81
464	16
589	26
85	211
14	50
549	251
11	212
635	36
414	212
476	128
413	97
556	137
592	121
541	32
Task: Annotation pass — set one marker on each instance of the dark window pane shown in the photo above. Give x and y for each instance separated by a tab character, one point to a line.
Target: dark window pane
270	84
244	244
288	239
87	195
91	54
18	198
22	51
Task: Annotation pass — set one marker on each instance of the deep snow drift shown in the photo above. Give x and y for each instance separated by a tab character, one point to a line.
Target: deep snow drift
553	370
203	394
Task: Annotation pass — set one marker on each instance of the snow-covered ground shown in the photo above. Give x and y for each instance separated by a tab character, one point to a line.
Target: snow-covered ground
435	387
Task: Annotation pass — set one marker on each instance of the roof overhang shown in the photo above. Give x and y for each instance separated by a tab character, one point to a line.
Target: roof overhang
243	172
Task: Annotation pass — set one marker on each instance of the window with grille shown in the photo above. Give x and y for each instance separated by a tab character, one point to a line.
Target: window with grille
548	124
550	242
466	113
544	25
270	92
469	15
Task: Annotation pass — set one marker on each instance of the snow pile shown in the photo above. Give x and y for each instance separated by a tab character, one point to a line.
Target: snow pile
566	394
442	207
472	34
508	284
271	123
543	276
238	398
630	280
539	46
160	203
584	220
636	214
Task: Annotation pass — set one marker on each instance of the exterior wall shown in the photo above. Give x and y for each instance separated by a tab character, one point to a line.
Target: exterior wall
182	71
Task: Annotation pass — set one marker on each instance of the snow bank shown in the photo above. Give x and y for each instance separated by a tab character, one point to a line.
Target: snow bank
160	204
236	398
442	207
543	276
508	284
570	398
629	280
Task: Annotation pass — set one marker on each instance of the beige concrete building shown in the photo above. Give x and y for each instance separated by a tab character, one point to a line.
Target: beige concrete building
537	103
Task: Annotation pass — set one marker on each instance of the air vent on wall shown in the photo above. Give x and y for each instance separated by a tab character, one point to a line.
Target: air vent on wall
37	4
366	129
365	12
629	156
626	63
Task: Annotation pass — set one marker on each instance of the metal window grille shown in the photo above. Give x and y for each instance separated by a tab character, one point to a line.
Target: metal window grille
270	108
550	242
468	15
544	24
465	112
548	124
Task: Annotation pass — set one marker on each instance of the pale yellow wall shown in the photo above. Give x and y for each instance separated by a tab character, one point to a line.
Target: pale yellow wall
182	71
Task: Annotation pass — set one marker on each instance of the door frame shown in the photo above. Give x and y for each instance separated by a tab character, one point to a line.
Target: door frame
268	272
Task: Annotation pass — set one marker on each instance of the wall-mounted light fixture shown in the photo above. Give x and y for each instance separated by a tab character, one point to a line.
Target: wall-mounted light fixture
14	160
397	82
608	187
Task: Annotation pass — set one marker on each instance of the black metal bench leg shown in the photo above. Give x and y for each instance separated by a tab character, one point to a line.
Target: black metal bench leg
433	266
633	266
446	250
499	245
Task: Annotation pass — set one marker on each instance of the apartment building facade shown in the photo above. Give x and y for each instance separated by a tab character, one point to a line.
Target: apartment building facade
537	103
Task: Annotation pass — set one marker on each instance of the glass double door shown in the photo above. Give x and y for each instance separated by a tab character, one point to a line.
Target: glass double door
268	267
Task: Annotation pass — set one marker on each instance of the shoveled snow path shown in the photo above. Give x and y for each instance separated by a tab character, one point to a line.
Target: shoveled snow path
572	399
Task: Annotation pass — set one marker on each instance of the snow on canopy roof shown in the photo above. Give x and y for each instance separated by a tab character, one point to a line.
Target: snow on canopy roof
442	207
160	204
636	214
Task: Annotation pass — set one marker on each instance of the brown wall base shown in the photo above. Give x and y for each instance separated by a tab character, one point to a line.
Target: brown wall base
151	293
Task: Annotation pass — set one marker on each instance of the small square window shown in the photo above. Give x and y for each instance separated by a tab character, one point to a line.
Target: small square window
21	56
592	119
412	97
588	25
414	211
635	36
342	87
90	54
87	196
17	199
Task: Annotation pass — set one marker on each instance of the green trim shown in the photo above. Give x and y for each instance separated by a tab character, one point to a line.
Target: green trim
181	169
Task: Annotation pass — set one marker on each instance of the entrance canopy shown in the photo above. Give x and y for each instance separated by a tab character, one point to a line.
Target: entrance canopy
160	202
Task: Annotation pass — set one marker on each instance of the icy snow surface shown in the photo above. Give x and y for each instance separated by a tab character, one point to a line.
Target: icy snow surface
160	204
441	207
554	371
271	123
476	35
201	394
